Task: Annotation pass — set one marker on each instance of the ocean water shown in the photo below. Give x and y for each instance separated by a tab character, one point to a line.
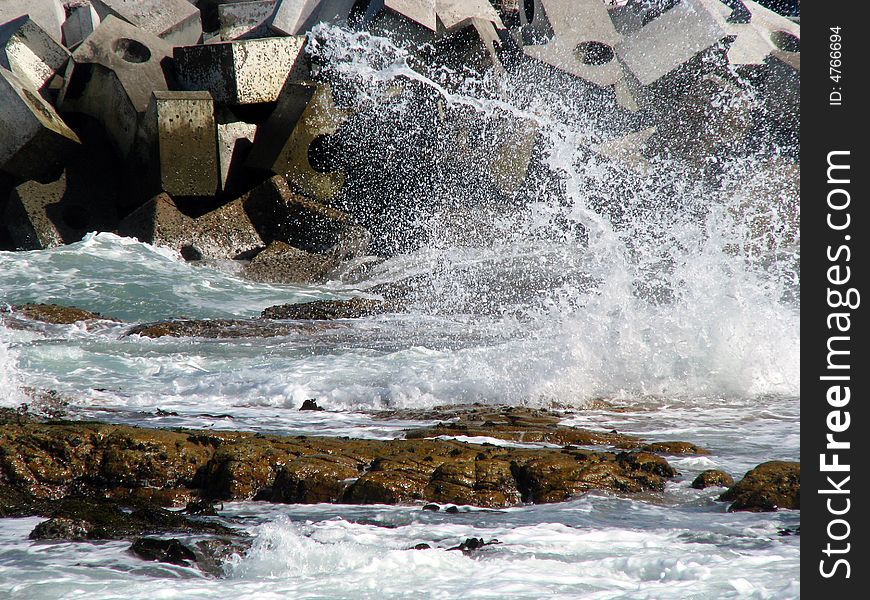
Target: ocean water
680	308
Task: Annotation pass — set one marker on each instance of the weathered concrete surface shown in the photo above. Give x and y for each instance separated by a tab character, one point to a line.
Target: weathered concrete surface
242	71
33	138
235	139
767	487
176	21
669	41
282	143
293	17
454	14
61	459
279	214
112	76
81	22
48	13
30	52
584	41
243	20
179	138
82	199
158	222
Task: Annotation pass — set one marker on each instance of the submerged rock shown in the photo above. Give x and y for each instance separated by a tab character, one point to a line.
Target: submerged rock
42	461
712	478
767	487
168	551
220	329
55	314
322	310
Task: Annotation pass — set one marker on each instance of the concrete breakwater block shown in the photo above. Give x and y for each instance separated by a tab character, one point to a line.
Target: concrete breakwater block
584	41
176	21
243	20
282	263
302	222
284	142
30	52
33	137
178	141
49	14
112	76
292	17
240	72
81	22
243	228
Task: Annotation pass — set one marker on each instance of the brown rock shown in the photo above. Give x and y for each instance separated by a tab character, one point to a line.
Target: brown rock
221	329
57	315
328	310
675	448
712	478
767	487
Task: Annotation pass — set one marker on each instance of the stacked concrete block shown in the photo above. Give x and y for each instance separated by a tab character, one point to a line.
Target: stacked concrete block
456	14
49	14
30	52
240	72
244	20
179	134
81	22
33	137
293	17
285	151
584	41
235	139
279	214
112	76
82	199
158	222
176	21
280	262
669	41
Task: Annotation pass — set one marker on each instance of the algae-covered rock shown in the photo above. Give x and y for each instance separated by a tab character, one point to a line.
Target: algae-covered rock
323	310
55	314
712	478
767	487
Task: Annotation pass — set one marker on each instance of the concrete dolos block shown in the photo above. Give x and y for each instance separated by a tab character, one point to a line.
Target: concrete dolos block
243	20
112	76
293	17
669	41
176	21
244	227
240	72
33	137
179	135
30	52
48	13
283	141
81	22
584	41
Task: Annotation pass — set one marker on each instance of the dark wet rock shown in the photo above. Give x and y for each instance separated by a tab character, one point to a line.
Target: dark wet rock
471	544
54	314
201	508
220	329
431	507
168	551
712	478
61	528
421	547
310	404
323	310
212	553
452	510
516	424
767	487
675	448
84	518
53	460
